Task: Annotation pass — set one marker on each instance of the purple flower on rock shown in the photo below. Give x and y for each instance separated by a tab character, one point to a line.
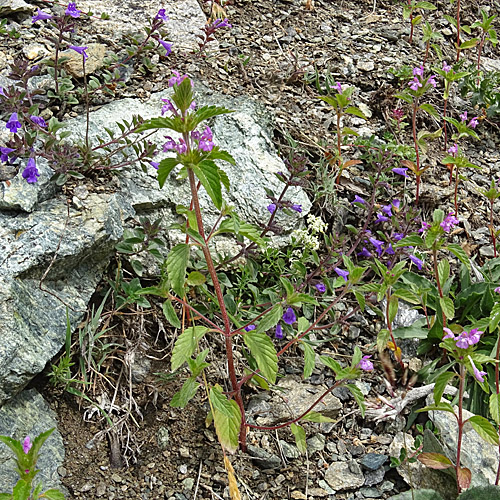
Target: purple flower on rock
30	173
271	208
400	171
249	328
297	208
446	67
358	199
168	106
40	16
181	147
154	164
13	124
167	46
72	10
396	203
342	273
397	236
38	120
338	86
381	218
417	262
479	375
205	143
387	209
27	444
80	50
219	23
449	221
463	116
418	71
177	79
279	332
4	153
389	250
473	123
169	145
377	244
161	15
320	287
454	149
289	317
415	84
432	81
365	364
364	253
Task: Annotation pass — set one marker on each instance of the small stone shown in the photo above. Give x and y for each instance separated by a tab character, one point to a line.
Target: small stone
184	452
344	475
370	492
366	65
101	489
62	471
183	469
86	487
372	461
324	485
298	495
316	443
263	458
116	478
289	450
188	483
74	66
33	51
374	477
162	437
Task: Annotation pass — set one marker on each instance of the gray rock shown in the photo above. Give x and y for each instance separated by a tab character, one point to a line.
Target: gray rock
263	458
289	450
13	6
372	461
344	475
74	62
370	492
294	398
374	477
28	414
316	443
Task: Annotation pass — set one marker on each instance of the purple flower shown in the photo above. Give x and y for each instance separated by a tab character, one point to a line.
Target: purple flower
27	444
396	203
80	50
418	71
462	341
279	332
297	208
38	120
449	221
342	273
497	289
169	145
30	173
40	16
205	145
364	253
181	148
377	244
479	375
474	336
154	164
389	250
365	364
338	87
473	123
271	208
13	124
463	116
358	199
167	46
432	81
219	23
161	15
400	171
424	227
417	262
446	67
72	10
289	317
415	84
177	79
454	149
320	287
168	106
381	218
398	236
249	328
207	134
4	153
449	334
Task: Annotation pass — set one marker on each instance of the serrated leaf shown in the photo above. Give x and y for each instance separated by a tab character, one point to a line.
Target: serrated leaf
406	295
227	419
460	254
495	407
186	344
484	428
382	338
425	5
170	314
270	319
351	110
300	437
244	228
164	168
5	496
21	490
220	154
208	174
443	271
206	112
441	383
188	391
309	360
469	44
361	300
302	325
155	123
262	349
429	108
195	278
393	308
435	460
447	307
53	494
358	396
412	240
177	261
494	317
316	417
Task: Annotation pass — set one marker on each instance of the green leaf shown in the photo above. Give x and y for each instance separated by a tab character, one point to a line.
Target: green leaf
316	417
435	460
177	261
155	123
195	278
244	228
300	437
358	396
302	325
5	496
413	240
262	349
429	108
227	419
183	95
361	300
270	319
21	490
220	154
494	317
208	174
309	360
447	307
164	168
393	308
351	110
187	392
406	295
53	494
484	428
439	407
206	112
186	344
443	271
469	43
170	314
495	407
441	383
425	5
460	254
382	339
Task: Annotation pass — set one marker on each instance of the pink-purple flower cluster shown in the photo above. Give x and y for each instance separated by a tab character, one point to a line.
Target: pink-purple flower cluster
365	364
449	221
418	79
464	339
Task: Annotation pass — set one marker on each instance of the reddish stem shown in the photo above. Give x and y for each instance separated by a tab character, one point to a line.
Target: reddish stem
497	386
417	152
458	30
460	423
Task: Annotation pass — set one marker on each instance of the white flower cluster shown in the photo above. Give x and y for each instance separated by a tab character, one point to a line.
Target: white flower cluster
308	238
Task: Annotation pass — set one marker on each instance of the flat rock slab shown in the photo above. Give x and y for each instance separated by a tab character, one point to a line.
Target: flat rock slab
344	475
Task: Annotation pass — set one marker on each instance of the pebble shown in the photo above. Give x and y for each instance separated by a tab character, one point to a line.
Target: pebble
373	461
316	443
101	489
374	477
116	478
289	450
183	469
